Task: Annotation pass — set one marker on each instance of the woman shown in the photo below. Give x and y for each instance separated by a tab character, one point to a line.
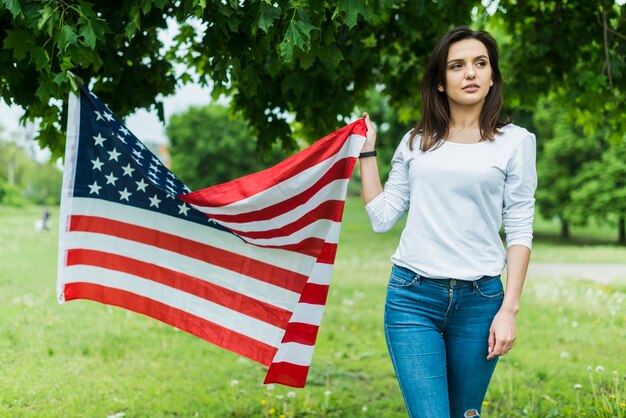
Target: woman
460	173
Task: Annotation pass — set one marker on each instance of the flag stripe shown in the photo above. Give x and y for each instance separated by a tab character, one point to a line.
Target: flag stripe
287	374
314	294
301	333
191	231
329	210
186	283
340	170
253	184
216	334
232	280
242	324
259	270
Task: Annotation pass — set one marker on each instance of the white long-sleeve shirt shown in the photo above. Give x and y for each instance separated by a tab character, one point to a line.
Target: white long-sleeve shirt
458	196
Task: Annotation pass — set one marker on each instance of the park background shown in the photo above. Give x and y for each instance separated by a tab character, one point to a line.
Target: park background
282	74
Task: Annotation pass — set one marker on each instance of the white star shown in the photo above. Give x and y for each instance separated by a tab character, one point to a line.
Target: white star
169	196
170	181
97	164
141	185
98	115
137	153
124	130
183	209
94	188
186	189
140	145
113	154
154	201
156	160
111	179
128	170
154	167
124	194
108	116
169	173
99	139
121	138
155	176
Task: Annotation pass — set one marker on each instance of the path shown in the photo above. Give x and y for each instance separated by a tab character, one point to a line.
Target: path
602	273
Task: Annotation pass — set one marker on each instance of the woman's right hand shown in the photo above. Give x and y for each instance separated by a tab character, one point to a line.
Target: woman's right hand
370	141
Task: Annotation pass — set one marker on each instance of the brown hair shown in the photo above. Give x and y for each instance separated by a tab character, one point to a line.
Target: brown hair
435	122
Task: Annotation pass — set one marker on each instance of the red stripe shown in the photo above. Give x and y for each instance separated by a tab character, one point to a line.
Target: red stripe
209	331
259	270
298	332
341	170
331	210
241	303
328	253
314	294
288	374
244	187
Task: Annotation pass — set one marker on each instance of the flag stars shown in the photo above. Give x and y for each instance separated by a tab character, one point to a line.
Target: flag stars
97	165
154	168
154	201
121	138
124	194
141	185
111	179
108	116
170	181
124	130
99	139
98	115
94	188
128	170
137	154
182	209
153	175
113	154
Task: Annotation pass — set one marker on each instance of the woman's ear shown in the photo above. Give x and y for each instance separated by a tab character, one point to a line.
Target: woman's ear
440	87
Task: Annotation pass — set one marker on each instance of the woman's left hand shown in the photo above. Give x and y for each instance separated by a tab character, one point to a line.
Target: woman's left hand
501	334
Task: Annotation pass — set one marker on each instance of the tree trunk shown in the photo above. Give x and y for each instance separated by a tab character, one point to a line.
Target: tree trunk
622	230
565	230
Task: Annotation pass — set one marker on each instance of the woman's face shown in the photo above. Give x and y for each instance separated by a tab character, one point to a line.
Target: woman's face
468	73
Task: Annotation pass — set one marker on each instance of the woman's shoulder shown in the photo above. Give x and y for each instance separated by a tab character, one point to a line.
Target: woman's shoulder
514	134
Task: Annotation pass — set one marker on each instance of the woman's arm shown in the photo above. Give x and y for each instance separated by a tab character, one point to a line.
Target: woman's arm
502	331
370	178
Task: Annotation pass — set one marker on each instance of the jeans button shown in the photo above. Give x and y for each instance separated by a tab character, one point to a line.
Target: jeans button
453	282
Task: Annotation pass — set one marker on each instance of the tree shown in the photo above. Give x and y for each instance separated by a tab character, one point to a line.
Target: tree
601	191
565	152
210	146
313	60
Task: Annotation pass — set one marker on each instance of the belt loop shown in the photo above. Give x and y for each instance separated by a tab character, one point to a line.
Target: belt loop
475	286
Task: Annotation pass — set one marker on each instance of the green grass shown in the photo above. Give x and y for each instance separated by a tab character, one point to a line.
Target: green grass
87	359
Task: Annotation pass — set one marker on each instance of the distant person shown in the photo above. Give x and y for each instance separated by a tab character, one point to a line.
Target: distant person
45	219
460	173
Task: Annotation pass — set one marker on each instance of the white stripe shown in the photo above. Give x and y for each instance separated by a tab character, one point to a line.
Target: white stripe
324	229
332	191
301	181
227	279
321	274
69	170
294	353
202	308
204	234
307	313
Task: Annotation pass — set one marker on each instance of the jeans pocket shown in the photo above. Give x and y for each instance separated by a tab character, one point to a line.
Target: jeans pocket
491	289
401	277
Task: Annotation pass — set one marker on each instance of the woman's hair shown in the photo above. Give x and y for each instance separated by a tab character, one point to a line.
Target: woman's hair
434	126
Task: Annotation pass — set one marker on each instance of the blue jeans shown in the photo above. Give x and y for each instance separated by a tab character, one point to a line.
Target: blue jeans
437	334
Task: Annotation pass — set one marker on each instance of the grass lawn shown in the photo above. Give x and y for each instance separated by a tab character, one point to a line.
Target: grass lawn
87	359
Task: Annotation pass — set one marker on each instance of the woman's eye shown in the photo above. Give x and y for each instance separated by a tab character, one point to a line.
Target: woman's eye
455	66
481	63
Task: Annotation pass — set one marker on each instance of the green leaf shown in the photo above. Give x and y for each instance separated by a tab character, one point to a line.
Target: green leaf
298	34
352	10
88	34
66	37
46	14
20	41
40	57
13	6
60	78
267	15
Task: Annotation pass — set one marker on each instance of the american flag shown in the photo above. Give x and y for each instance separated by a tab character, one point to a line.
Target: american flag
245	265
